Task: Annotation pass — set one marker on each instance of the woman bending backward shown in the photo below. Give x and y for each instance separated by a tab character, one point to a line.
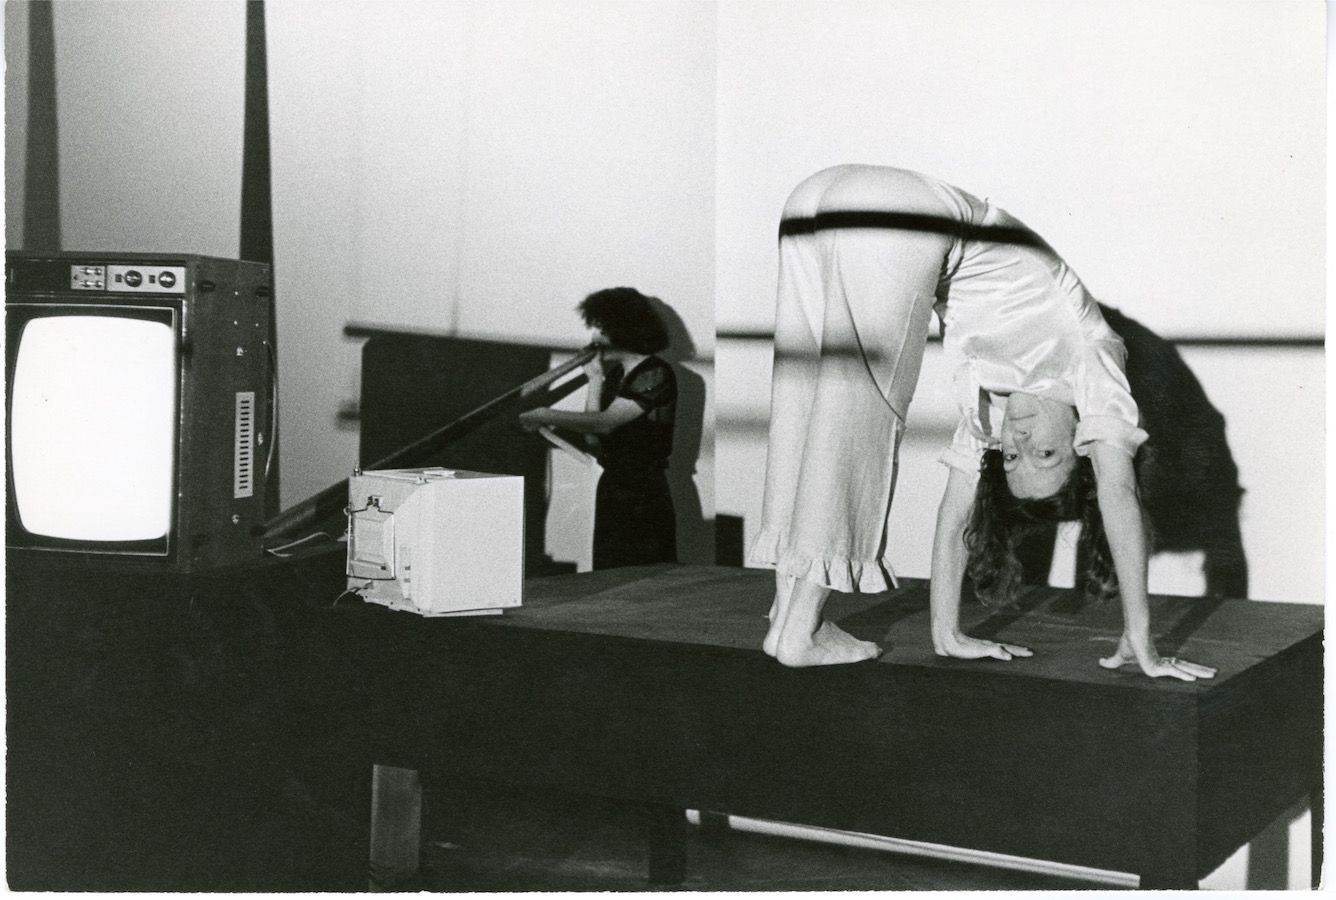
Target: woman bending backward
867	255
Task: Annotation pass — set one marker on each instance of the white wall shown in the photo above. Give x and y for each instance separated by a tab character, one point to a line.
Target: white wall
1172	152
476	169
149	101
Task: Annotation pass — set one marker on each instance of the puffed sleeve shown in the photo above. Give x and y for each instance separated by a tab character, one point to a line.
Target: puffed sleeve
970	439
1108	414
966	450
651	386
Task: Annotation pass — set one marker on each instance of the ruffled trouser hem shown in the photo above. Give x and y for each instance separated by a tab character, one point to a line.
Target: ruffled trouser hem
836	572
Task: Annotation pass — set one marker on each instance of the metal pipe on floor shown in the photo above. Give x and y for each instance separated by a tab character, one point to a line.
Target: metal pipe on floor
924	849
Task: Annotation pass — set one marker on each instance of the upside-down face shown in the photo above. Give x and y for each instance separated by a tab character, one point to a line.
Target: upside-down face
1037	452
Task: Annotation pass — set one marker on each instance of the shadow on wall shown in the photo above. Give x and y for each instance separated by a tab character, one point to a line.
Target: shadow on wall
695	534
1187	477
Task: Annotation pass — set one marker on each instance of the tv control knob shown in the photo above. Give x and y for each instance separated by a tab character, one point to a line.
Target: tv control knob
133	278
166	279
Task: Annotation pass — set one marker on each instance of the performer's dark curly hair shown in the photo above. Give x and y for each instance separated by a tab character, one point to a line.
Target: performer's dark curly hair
999	521
627	317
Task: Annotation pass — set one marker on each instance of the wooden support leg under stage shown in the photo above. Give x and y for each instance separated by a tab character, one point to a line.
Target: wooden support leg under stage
1317	817
667	844
396	822
396	827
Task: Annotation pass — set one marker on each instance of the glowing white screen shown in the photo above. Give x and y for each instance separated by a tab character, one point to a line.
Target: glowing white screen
92	427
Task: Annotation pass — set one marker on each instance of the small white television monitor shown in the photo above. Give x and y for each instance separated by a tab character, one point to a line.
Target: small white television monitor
436	542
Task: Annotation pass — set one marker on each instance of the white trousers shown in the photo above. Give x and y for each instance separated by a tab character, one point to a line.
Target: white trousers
853	313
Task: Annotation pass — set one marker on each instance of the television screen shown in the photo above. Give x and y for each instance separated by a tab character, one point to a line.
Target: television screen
138	409
93	423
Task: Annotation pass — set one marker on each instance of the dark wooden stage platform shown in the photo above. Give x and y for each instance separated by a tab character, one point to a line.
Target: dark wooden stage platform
649	685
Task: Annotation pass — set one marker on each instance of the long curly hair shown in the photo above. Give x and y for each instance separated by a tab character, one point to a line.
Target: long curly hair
627	317
1000	521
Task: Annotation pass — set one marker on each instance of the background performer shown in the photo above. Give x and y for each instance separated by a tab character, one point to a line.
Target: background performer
630	407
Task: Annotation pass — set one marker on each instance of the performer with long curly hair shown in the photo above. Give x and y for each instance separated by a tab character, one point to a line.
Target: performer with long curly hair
867	255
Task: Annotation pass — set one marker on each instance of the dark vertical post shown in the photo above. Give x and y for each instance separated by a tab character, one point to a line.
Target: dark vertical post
41	189
257	215
1317	815
1269	856
1169	832
729	546
396	827
666	834
257	221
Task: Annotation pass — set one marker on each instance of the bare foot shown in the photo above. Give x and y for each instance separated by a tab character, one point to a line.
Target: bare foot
830	645
837	635
771	643
778	610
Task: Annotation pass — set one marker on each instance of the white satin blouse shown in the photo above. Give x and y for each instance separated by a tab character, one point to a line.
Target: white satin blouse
1017	319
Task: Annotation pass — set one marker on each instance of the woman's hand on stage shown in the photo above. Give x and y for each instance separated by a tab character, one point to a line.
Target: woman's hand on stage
961	646
1155	665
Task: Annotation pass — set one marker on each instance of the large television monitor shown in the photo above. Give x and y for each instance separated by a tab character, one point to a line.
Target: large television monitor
139	398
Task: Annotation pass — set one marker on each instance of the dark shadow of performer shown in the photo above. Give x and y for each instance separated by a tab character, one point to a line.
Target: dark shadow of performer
695	537
1187	476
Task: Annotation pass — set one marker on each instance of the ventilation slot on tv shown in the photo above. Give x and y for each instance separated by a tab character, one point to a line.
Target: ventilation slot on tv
243	473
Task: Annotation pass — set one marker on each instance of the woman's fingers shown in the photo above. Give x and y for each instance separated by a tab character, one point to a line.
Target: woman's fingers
1182	669
1170	669
1007	651
1164	667
1195	669
972	648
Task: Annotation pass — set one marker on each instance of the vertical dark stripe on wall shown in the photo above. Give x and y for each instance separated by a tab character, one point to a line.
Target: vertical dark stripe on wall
257	216
41	188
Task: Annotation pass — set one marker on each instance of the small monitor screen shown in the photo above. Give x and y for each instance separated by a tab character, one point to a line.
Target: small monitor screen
92	427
